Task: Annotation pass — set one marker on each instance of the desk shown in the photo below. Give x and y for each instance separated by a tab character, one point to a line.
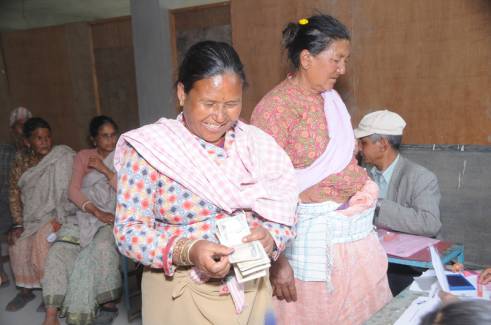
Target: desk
422	259
394	309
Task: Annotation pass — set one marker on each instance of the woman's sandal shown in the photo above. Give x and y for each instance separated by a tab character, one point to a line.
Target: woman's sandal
105	315
19	301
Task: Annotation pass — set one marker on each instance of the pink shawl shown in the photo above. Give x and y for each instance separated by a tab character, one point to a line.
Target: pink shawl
339	150
256	175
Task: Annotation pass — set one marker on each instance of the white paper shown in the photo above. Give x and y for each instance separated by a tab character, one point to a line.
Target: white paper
439	270
418	308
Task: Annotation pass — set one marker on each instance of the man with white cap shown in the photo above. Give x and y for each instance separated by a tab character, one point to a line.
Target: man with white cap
7	153
409	195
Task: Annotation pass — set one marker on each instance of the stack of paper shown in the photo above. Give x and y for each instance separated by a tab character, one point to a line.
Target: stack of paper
249	259
403	245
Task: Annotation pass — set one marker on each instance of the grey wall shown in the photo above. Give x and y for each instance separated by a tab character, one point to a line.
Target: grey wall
152	60
151	39
464	175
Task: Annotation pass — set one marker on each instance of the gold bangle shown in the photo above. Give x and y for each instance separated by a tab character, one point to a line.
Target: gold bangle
182	259
188	250
177	251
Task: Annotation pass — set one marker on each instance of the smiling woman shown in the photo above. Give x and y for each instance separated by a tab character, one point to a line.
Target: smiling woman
212	106
177	177
210	90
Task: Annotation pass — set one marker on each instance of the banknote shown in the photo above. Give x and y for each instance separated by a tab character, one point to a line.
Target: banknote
233	229
245	252
242	279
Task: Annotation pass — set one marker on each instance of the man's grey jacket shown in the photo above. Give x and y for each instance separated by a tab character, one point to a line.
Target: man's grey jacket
412	203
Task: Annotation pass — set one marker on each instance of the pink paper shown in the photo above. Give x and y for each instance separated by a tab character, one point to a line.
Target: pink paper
403	245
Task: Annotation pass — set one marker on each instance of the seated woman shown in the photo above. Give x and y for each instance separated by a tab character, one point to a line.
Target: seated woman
38	199
176	178
82	269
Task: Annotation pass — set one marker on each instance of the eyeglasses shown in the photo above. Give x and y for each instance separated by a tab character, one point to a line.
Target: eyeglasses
107	136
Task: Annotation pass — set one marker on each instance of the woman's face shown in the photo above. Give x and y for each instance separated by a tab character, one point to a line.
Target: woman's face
323	69
212	106
40	141
106	138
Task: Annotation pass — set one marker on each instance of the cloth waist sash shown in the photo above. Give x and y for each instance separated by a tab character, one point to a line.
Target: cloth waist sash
319	227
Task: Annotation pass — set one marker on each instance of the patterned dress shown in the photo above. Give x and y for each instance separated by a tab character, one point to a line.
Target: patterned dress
154	211
296	119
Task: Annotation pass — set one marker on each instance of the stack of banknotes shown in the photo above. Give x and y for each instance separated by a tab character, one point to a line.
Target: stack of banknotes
250	260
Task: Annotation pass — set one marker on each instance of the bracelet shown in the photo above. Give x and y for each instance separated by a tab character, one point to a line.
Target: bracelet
85	204
190	245
178	249
182	259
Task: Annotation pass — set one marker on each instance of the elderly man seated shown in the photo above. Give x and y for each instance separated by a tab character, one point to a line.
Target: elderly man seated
409	195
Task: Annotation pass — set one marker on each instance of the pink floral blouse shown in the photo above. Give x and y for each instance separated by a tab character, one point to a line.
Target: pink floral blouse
153	212
297	121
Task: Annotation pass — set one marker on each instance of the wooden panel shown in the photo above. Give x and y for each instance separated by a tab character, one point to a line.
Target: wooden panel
115	71
431	62
42	65
112	33
6	105
428	60
194	24
215	14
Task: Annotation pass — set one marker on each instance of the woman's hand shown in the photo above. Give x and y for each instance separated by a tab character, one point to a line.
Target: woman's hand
105	217
14	234
211	258
485	276
97	163
262	234
282	280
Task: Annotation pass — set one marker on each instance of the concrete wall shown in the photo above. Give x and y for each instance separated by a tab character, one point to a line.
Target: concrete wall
151	39
464	177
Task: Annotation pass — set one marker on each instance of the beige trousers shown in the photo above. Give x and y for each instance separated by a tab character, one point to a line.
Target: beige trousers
179	300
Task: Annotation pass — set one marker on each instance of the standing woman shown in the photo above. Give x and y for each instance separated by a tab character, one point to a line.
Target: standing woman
38	199
177	177
335	269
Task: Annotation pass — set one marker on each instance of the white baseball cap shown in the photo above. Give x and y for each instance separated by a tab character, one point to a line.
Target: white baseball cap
380	122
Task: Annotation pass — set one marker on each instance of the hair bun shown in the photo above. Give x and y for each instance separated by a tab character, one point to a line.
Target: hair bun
289	34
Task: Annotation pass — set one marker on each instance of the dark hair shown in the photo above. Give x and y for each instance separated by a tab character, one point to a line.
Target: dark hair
207	59
393	140
97	122
314	34
33	124
470	312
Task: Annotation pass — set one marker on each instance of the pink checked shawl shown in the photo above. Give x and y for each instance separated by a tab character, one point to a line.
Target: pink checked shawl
257	174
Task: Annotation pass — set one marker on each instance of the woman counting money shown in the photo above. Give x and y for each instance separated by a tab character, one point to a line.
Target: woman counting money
178	178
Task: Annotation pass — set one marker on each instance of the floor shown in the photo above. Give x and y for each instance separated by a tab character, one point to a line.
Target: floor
29	316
